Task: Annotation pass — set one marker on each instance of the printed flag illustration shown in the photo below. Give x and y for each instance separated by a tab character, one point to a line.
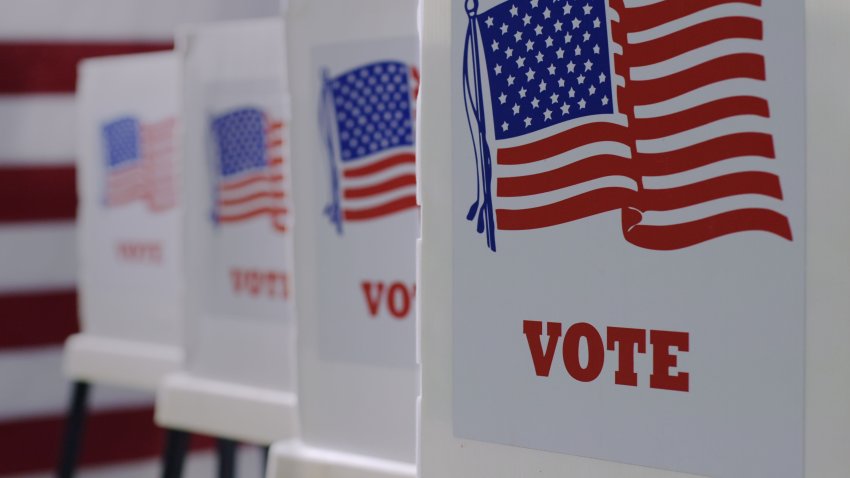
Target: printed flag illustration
662	120
140	163
367	117
250	167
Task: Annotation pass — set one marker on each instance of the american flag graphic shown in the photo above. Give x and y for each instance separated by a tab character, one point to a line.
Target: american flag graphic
140	163
367	117
654	110
250	175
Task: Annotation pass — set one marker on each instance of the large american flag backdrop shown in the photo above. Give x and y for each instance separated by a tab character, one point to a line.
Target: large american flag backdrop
367	117
140	163
592	106
250	167
40	45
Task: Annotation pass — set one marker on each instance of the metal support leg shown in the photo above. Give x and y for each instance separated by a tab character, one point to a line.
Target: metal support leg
264	460
226	458
74	430
176	445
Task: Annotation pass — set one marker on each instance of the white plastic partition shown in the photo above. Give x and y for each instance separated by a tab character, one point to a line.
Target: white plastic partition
131	266
238	381
355	243
823	442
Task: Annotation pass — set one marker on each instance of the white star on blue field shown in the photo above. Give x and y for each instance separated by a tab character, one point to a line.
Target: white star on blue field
547	62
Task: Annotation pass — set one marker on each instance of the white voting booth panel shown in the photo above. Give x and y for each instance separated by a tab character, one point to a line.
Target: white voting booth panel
574	324
238	380
129	222
354	86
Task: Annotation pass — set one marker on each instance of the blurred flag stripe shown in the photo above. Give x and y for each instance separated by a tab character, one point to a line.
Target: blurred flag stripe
51	67
38	256
111	436
37	193
22	396
37	129
55	312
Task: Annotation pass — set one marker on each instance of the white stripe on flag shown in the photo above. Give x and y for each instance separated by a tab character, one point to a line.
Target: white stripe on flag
34	384
118	19
37	129
719	11
38	256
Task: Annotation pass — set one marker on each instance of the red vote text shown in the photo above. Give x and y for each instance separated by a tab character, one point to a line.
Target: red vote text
139	252
545	341
393	298
259	283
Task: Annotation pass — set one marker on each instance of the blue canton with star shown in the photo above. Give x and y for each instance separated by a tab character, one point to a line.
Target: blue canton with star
122	141
241	139
547	62
373	109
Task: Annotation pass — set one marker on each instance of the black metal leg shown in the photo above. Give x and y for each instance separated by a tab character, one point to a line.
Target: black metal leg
264	460
176	445
74	430
226	458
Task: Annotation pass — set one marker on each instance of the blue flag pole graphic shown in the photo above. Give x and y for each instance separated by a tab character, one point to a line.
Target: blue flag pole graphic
474	104
332	210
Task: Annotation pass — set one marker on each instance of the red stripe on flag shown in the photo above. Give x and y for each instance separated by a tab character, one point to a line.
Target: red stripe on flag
587	169
740	65
357	172
254	212
679	236
662	126
33	444
691	38
250	197
656	14
37	193
761	183
571	209
51	67
271	178
709	152
37	319
400	204
563	142
390	184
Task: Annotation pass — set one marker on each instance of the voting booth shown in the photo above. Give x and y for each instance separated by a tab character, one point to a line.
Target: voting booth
354	87
238	380
128	230
631	263
129	221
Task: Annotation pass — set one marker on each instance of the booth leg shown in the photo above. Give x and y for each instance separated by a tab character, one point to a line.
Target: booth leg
74	430
226	458
264	460
176	445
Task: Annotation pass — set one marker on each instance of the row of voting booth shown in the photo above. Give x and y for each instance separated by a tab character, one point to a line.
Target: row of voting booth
203	238
496	238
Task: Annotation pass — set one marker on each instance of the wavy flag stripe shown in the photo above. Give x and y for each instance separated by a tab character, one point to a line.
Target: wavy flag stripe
742	65
378	166
393	206
566	119
691	38
682	121
708	152
664	12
